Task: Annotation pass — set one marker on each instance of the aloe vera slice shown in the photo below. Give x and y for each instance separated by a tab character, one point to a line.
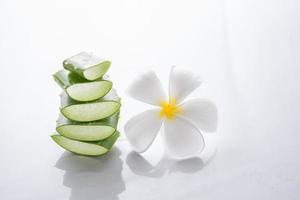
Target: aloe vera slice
89	131
90	111
80	89
86	148
87	65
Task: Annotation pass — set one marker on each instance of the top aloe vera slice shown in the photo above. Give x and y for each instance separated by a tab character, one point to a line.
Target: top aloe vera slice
87	65
80	89
90	111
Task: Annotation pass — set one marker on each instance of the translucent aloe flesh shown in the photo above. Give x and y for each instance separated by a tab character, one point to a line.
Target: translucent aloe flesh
80	89
87	65
86	148
90	111
88	131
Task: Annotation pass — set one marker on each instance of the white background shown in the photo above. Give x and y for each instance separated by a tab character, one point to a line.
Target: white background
247	52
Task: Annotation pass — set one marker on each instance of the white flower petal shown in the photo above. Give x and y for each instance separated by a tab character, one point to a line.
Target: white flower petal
202	113
148	89
182	83
182	139
142	129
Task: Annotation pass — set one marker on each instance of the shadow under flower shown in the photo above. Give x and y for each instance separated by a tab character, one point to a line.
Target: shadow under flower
93	177
140	166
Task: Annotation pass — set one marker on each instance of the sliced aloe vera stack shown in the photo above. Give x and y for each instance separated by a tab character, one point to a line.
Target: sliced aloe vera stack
87	148
90	111
88	131
80	89
90	108
87	65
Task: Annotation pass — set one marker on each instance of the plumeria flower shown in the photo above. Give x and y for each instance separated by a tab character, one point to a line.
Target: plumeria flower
182	120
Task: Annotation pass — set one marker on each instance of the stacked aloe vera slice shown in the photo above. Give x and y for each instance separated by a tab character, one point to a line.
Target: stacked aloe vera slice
90	107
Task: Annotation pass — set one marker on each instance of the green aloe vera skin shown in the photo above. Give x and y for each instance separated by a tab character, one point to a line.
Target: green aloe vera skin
110	141
87	131
87	148
87	65
90	111
80	89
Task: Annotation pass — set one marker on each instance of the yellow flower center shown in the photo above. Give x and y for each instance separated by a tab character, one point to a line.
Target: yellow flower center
169	109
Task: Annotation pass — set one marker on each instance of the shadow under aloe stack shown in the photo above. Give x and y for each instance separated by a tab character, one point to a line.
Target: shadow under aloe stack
90	107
